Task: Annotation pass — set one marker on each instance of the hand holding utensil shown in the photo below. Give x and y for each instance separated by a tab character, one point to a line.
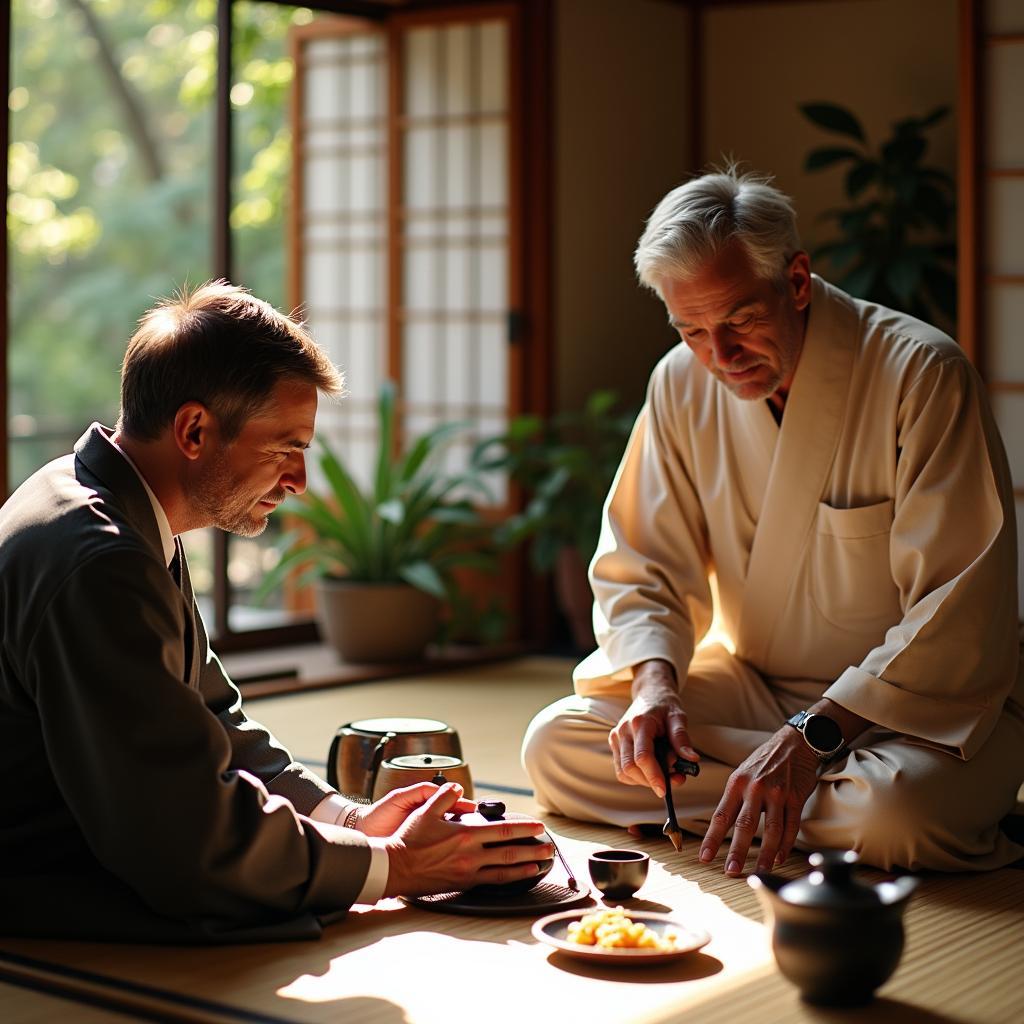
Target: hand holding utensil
662	752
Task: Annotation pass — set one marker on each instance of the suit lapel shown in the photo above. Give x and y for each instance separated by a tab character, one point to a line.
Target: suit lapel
804	453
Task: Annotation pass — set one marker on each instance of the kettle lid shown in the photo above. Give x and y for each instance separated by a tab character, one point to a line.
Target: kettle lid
436	762
831	884
399	726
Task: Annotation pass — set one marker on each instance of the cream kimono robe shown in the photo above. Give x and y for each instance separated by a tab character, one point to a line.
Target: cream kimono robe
865	550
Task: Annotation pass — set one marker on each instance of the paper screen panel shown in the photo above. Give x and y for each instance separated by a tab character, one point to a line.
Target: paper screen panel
343	130
1009	410
454	230
1005	225
1005	332
1020	533
1005	87
1004	16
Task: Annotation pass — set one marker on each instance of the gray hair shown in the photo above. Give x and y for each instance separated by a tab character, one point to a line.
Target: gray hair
697	219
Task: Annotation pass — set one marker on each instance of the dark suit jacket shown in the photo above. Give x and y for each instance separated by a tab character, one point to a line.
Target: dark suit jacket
138	801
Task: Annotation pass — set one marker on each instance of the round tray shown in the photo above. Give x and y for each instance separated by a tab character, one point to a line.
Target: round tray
545	897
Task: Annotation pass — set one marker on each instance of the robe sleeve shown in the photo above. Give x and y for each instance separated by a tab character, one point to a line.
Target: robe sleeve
146	767
944	671
652	598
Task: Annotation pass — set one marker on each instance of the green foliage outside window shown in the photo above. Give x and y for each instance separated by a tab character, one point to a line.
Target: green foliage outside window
110	200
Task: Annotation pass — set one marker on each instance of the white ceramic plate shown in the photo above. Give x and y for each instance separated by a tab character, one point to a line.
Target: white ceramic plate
554	931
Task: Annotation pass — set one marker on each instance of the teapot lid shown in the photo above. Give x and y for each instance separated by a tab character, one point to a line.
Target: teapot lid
831	884
437	762
398	725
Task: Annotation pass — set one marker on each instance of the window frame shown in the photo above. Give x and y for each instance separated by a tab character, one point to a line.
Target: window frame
532	377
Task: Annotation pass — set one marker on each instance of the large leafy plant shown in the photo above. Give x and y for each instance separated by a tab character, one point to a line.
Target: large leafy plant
894	244
565	466
416	524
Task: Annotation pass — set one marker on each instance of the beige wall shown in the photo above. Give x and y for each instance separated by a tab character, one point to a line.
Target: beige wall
622	132
883	59
621	141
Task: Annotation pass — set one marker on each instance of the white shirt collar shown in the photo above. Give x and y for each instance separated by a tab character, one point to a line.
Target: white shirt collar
166	537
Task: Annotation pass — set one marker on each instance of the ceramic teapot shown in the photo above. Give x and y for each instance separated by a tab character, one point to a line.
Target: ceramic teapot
835	938
494	810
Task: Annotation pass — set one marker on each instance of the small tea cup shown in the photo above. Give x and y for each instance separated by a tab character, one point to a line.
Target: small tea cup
618	873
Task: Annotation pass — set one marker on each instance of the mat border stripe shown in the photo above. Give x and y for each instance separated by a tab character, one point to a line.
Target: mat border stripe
119	993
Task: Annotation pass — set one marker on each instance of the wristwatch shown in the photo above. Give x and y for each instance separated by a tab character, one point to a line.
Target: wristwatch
821	733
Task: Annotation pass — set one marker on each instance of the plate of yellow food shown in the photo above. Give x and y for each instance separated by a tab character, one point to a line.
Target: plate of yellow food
615	935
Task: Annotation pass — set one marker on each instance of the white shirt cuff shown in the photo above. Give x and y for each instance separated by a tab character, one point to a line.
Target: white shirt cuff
331	811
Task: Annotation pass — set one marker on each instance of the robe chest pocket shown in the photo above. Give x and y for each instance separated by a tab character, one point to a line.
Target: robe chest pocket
851	577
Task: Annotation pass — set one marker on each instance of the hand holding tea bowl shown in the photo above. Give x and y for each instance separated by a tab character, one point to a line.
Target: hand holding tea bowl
618	873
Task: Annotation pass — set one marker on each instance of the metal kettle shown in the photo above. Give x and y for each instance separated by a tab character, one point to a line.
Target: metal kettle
359	748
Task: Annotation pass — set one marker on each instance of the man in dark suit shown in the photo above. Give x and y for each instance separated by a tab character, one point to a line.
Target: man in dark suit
140	801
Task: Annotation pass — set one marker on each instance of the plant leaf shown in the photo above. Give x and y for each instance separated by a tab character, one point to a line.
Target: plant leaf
860	281
941	287
936	115
425	577
392	511
385	439
905	149
833	118
860	177
934	206
818	159
903	276
355	508
839	254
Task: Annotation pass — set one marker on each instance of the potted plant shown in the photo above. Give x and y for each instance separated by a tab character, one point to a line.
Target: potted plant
894	244
565	467
383	558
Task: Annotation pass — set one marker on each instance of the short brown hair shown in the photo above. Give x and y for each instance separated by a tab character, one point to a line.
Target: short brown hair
219	345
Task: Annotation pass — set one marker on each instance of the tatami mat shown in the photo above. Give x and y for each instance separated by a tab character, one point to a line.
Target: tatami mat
395	964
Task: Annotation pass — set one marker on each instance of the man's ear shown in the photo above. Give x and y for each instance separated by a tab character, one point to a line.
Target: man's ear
194	427
798	279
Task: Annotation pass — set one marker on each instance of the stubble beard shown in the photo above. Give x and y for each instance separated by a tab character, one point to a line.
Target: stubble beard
754	390
218	498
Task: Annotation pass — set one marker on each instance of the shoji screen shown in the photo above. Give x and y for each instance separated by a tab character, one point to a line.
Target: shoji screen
1001	179
404	255
340	217
452	217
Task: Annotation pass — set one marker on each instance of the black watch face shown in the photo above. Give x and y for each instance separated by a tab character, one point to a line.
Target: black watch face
823	734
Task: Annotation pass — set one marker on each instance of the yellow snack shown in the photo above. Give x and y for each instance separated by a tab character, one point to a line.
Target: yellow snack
614	929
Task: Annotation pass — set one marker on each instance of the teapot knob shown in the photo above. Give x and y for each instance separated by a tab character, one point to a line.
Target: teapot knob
835	865
439	779
492	810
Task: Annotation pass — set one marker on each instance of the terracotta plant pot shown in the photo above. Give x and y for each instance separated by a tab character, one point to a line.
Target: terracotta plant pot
376	622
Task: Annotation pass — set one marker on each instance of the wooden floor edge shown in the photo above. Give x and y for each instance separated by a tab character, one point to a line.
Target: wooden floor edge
111	993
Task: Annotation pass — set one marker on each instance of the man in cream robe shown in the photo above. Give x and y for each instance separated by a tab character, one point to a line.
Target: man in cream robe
863	543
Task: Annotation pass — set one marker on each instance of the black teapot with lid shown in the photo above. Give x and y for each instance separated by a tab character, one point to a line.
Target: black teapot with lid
834	937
